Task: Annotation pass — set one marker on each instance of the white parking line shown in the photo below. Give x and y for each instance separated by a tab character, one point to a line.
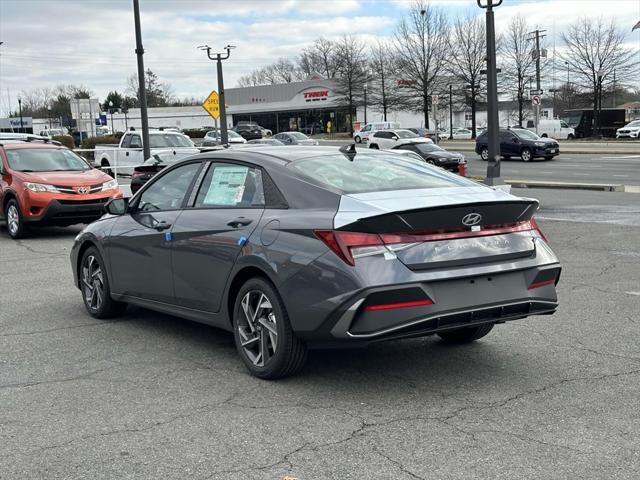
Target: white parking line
622	176
583	174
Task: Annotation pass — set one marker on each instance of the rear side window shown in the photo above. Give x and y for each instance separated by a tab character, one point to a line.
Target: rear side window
229	185
374	173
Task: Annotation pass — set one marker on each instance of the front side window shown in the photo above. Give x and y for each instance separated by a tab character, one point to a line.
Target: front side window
168	192
366	128
405	134
45	160
525	134
228	185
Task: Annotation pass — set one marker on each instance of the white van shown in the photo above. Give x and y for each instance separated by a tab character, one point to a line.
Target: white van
557	129
369	128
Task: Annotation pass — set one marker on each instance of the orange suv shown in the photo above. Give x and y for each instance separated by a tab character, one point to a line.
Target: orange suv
45	183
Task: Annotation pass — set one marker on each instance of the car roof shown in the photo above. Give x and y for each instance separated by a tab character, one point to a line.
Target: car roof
276	155
21	144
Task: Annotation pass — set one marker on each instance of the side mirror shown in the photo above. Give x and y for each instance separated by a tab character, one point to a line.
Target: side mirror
117	206
393	137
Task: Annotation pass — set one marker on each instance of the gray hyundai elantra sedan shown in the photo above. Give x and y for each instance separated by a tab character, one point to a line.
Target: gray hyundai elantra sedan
292	248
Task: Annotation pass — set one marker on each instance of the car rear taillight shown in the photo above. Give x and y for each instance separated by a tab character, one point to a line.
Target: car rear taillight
135	174
537	229
351	245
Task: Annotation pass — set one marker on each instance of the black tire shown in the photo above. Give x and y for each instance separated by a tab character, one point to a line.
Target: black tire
94	285
549	157
570	136
467	334
544	135
357	139
16	226
374	146
288	354
105	168
507	157
526	155
484	154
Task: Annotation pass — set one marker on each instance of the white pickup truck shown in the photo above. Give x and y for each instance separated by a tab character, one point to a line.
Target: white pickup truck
128	153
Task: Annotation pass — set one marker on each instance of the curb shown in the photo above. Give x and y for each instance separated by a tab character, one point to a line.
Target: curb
602	187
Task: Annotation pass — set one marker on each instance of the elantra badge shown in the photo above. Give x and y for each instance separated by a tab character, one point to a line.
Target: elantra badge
471	219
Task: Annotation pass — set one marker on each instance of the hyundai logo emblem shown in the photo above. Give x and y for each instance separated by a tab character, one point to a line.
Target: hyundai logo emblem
83	190
471	219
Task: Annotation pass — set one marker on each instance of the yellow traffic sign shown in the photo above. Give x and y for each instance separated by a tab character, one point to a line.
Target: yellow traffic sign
212	105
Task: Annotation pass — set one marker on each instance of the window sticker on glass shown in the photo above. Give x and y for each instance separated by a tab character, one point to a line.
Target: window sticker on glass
227	185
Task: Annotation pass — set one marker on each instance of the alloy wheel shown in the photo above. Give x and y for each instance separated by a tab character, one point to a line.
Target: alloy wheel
257	327
526	155
13	219
92	283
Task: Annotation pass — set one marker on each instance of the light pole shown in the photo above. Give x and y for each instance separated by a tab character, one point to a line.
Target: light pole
613	102
49	115
493	168
599	100
450	112
20	109
111	112
365	102
142	91
224	136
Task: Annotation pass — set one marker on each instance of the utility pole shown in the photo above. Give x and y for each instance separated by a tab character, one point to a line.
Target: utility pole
614	89
537	38
224	136
142	91
450	112
493	168
365	103
20	108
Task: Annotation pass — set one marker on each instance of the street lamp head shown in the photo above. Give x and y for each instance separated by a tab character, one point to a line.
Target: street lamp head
203	47
229	47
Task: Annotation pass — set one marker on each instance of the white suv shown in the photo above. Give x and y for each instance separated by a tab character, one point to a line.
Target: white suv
372	127
384	139
630	130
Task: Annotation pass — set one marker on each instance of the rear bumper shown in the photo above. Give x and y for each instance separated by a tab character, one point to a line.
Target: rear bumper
457	303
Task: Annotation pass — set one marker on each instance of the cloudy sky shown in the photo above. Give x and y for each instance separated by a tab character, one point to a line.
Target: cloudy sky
91	42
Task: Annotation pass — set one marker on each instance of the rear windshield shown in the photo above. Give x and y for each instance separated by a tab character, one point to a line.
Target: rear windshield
374	173
298	136
169	140
45	160
405	134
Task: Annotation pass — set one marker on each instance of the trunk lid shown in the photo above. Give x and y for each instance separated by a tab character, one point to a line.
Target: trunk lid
444	227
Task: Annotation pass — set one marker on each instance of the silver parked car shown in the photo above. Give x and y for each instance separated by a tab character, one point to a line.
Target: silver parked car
295	138
298	247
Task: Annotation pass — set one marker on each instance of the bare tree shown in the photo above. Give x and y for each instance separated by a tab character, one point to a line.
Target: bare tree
422	47
319	57
594	50
383	81
351	75
518	62
468	48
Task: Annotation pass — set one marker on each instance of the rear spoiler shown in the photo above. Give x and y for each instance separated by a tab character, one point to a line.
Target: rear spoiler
447	217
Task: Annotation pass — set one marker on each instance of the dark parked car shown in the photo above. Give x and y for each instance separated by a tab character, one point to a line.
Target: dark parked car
248	130
434	155
145	172
519	142
297	247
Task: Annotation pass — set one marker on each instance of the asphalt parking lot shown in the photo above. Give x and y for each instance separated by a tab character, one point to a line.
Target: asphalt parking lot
152	396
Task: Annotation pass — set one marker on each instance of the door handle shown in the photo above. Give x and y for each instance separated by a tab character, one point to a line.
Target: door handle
239	222
126	153
160	226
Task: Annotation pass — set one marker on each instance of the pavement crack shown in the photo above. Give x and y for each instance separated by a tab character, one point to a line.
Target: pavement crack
398	464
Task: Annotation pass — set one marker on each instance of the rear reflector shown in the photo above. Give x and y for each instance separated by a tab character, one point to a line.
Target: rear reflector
391	306
542	284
